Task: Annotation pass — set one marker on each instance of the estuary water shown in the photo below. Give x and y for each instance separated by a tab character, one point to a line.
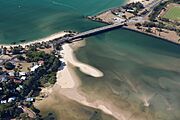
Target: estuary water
33	19
141	73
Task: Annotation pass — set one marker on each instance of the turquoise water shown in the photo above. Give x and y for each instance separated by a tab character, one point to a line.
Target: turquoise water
137	68
34	19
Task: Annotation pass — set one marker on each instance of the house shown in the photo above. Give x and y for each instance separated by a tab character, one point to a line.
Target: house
23	78
11	99
1	51
29	100
19	88
3	101
4	51
41	62
3	78
11	77
118	20
16	60
11	74
17	81
22	51
1	61
34	68
131	10
22	73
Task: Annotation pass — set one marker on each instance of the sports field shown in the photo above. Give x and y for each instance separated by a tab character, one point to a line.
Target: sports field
173	13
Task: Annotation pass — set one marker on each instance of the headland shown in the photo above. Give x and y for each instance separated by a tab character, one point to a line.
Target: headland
147	17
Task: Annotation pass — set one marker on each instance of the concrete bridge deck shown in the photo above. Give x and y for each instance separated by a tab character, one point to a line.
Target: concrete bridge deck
88	33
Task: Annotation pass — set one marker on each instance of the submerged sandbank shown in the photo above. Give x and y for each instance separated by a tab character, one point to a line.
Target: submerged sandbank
69	82
85	68
66	77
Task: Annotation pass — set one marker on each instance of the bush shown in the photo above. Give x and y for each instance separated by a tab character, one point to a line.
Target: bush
34	56
149	24
49	78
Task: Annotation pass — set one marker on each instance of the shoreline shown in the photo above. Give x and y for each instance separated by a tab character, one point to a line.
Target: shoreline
142	32
170	36
68	82
145	2
151	35
45	39
73	92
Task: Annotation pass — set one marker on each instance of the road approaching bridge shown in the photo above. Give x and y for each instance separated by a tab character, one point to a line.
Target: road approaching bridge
88	33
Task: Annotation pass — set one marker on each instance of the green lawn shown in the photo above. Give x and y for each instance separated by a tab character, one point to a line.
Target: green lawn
173	13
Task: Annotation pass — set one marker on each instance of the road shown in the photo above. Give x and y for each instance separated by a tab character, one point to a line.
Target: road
136	19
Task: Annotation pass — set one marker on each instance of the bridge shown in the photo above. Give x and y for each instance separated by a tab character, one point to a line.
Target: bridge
88	33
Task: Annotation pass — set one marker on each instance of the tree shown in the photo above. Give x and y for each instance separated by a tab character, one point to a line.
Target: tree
35	56
9	66
138	24
24	116
20	57
97	115
149	30
124	16
161	25
17	50
149	24
1	70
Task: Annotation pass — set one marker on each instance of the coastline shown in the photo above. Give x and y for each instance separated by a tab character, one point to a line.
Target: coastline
68	82
145	2
45	39
129	1
152	35
71	91
165	35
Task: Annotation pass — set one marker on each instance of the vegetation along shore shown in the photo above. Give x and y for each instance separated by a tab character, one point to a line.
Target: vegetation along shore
24	70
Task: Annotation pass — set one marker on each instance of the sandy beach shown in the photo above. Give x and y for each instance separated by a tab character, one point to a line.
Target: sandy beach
65	77
145	2
136	1
85	68
45	39
68	82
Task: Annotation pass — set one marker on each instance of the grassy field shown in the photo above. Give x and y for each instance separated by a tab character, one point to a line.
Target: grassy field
173	13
